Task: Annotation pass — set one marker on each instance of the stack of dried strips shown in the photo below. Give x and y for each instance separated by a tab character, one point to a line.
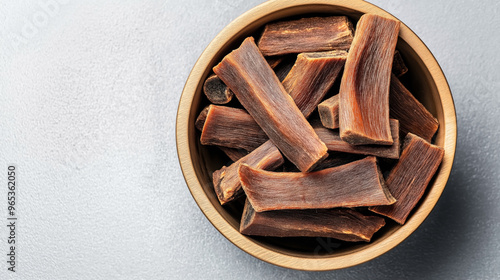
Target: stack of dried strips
279	82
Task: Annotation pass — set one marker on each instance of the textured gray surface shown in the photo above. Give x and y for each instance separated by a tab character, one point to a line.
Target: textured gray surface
88	103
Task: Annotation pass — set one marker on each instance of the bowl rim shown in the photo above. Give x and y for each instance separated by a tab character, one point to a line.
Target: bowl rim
320	263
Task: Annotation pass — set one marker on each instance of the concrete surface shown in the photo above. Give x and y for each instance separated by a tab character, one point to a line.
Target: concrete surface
88	98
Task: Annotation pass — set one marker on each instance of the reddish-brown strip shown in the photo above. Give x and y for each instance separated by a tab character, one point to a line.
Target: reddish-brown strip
306	35
256	86
332	140
398	65
231	153
329	112
232	128
226	181
359	183
408	180
312	76
364	90
412	115
342	224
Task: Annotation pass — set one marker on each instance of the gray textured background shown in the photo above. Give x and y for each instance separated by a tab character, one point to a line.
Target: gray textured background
88	98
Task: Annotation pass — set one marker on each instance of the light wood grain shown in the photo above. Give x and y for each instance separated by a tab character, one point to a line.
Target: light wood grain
426	82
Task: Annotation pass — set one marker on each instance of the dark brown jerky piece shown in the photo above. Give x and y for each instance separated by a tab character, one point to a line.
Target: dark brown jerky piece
306	35
329	112
200	120
248	75
408	180
216	91
342	224
412	115
232	128
233	154
398	65
312	76
332	140
226	181
358	183
364	90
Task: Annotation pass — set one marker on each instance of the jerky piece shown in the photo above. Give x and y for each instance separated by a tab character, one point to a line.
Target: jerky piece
200	120
216	91
232	128
358	183
398	65
306	35
233	154
329	112
412	115
408	180
332	140
248	75
364	90
226	181
342	224
312	76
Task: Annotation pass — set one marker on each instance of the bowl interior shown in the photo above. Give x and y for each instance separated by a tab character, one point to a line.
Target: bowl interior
205	159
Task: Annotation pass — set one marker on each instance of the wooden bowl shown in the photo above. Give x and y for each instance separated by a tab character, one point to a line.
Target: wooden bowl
424	79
